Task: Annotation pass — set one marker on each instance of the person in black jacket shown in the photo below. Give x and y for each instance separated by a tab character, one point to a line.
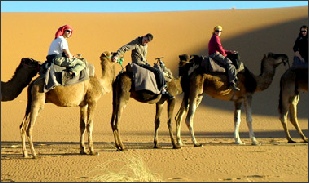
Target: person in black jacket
300	47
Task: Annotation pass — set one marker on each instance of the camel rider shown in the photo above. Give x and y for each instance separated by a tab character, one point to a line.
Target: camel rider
138	55
217	52
59	52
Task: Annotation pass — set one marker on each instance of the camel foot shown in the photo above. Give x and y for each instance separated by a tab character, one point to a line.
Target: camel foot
256	143
94	153
291	141
198	145
157	147
306	140
176	146
180	144
83	153
34	157
122	149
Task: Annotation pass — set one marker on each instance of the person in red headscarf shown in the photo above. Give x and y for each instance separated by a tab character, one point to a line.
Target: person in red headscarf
60	54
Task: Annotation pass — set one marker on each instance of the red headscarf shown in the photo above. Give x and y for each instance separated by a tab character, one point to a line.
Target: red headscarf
62	29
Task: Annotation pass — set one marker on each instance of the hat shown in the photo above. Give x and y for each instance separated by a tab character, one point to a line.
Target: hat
62	29
218	28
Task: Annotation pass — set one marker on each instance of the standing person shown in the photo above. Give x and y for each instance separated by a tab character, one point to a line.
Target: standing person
139	56
300	47
217	52
60	54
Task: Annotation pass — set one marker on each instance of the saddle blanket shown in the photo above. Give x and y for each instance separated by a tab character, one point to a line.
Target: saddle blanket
211	65
144	79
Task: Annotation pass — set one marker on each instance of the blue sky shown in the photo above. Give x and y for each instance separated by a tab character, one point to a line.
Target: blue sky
138	6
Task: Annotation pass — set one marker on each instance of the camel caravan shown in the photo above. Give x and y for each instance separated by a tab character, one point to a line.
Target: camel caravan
195	79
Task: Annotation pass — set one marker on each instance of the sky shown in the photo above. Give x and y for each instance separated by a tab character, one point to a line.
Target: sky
139	6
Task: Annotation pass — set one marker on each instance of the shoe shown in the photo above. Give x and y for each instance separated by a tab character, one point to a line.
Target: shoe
233	86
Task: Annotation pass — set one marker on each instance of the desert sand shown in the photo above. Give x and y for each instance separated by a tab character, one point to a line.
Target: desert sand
56	132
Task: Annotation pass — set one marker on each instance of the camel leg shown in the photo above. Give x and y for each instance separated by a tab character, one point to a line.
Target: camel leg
171	106
120	100
35	109
159	108
284	116
248	109
91	108
23	127
293	118
181	112
82	126
118	142
194	102
237	121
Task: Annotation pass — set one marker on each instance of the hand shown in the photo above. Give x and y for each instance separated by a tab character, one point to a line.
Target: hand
234	52
114	59
302	59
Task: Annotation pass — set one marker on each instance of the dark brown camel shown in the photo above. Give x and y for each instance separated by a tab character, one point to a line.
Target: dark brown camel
123	91
26	70
84	95
292	82
216	86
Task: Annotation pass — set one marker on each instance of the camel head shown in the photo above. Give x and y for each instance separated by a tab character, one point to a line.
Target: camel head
106	57
30	63
273	60
188	62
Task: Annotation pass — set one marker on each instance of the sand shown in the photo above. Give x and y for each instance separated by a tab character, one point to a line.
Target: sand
56	132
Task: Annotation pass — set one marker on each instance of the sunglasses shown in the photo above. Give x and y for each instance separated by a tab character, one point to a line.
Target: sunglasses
303	31
68	31
218	31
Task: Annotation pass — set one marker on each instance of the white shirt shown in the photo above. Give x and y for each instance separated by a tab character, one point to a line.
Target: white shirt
58	45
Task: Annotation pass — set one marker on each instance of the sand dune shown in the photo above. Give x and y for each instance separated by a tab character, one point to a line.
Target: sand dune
56	133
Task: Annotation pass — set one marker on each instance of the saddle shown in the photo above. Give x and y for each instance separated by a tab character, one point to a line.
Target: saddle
211	65
55	75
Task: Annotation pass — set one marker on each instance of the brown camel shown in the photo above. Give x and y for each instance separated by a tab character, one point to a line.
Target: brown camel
123	91
216	86
84	94
292	82
26	70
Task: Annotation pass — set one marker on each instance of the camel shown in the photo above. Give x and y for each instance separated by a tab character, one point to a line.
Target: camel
26	70
292	82
84	95
123	91
216	86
